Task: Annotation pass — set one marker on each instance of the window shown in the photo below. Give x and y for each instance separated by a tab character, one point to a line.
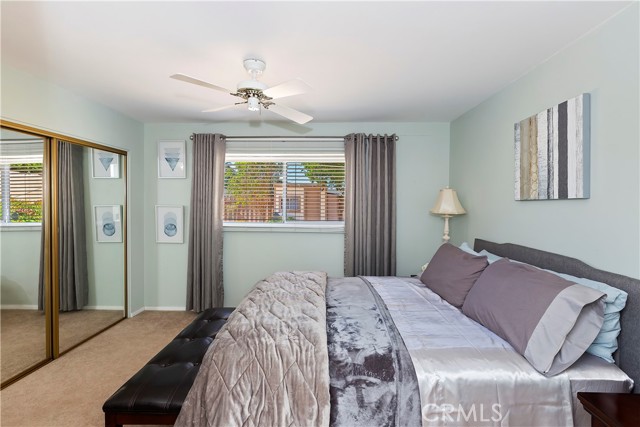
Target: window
293	204
284	183
21	182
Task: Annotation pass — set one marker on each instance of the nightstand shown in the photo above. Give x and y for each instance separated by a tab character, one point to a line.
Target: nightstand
612	409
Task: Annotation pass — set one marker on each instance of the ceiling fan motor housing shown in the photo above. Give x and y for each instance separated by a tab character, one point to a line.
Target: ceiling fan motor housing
252	84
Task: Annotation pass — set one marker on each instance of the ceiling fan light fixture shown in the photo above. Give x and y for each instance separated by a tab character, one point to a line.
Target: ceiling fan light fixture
253	103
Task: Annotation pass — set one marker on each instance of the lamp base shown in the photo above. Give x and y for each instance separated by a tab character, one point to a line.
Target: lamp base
445	237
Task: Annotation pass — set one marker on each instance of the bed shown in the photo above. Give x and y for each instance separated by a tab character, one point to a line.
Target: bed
303	349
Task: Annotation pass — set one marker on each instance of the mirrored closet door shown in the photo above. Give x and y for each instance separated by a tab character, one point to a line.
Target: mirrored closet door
89	196
23	321
63	273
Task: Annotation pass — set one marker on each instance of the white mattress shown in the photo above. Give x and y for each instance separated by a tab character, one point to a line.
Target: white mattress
469	376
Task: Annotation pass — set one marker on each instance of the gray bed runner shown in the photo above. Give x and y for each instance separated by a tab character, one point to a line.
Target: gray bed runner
372	379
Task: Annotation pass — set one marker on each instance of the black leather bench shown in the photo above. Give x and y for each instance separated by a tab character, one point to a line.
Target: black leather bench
154	395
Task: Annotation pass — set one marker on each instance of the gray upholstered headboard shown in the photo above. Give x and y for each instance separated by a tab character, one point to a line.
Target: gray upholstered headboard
629	340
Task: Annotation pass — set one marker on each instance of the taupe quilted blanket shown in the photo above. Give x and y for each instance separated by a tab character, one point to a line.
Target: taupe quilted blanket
268	366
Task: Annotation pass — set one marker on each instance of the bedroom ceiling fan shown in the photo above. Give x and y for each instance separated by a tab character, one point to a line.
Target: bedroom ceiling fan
256	94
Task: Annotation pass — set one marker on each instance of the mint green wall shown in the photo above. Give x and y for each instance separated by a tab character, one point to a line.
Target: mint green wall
29	100
604	230
423	168
19	266
105	261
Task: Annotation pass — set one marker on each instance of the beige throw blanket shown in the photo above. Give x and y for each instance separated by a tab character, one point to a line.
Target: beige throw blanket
268	366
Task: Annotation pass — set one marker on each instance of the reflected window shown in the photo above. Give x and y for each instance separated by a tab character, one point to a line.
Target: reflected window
21	182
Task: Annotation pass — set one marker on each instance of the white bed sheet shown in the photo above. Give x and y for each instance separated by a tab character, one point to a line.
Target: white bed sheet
468	376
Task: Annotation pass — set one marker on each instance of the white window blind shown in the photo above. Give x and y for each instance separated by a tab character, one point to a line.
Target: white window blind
276	182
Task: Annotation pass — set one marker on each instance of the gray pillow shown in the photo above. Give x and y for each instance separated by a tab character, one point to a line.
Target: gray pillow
452	272
606	343
547	319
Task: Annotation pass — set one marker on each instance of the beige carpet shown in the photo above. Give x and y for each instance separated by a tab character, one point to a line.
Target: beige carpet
70	391
23	335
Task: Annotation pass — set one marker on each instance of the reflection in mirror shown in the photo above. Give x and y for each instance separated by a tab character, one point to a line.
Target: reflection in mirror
23	326
91	195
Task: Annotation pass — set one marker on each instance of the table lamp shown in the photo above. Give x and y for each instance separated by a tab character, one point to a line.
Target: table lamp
447	205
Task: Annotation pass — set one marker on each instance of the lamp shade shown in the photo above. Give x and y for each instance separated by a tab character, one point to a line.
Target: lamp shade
448	203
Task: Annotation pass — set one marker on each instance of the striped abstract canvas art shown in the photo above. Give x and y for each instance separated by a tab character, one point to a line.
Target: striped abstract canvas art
552	152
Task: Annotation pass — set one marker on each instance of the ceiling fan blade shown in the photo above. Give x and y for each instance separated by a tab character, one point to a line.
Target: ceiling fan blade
213	110
291	114
290	88
189	79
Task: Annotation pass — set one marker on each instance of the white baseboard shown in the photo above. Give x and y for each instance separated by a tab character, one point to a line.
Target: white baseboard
165	308
103	307
18	307
138	311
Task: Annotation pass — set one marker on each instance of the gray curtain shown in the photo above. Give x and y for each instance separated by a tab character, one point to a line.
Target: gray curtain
204	270
370	205
72	235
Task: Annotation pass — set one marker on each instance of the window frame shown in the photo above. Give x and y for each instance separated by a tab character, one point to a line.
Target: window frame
285	151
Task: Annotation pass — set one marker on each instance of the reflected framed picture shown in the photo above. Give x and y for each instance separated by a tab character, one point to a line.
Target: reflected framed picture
105	164
169	224
171	159
108	222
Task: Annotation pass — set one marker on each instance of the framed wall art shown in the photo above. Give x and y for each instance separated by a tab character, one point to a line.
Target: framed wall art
105	164
552	152
169	224
108	223
171	159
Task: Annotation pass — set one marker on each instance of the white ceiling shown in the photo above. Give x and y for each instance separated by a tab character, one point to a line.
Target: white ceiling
367	61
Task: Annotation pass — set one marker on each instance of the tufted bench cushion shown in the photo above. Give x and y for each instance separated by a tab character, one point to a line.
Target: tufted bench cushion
154	395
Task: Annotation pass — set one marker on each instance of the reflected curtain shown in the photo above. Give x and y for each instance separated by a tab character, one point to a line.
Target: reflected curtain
41	275
370	205
204	270
72	236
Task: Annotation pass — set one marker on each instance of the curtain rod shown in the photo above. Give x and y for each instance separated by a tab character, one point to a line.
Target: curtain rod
283	138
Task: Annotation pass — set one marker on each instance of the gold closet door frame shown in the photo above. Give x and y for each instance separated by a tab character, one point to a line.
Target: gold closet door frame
51	264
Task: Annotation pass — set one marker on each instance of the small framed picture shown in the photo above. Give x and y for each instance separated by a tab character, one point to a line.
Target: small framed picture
171	159
169	224
108	221
105	164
